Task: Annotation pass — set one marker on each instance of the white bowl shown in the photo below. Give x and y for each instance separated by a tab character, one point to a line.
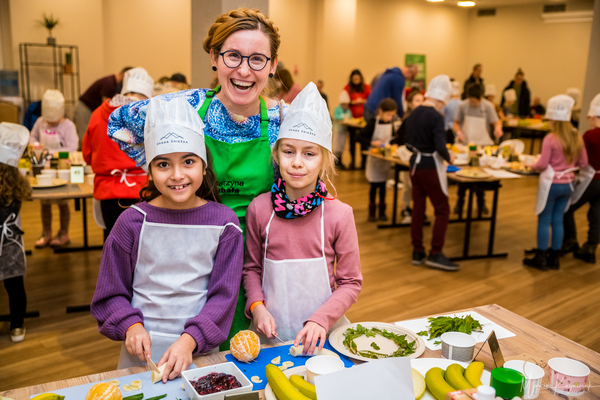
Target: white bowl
64	174
44	180
227	368
321	365
48	171
24	171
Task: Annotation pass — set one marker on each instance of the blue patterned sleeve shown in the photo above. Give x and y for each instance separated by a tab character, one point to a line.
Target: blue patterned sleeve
126	123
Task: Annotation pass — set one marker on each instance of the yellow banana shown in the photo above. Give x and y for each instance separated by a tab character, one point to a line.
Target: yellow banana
434	378
455	378
48	396
280	385
304	387
473	373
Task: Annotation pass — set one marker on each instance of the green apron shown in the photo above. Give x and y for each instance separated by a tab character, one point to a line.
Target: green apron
244	170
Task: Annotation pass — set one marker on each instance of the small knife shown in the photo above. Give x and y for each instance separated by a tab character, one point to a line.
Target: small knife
277	337
152	365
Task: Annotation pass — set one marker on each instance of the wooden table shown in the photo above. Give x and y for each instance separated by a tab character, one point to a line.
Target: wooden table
531	340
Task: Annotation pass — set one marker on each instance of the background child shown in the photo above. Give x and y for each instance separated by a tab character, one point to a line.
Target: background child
14	189
55	133
340	114
562	151
292	289
172	265
589	194
377	133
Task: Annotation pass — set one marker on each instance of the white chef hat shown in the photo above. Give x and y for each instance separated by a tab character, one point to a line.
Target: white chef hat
439	88
137	80
595	107
510	95
171	127
344	97
13	141
53	105
455	88
559	108
490	90
308	119
574	93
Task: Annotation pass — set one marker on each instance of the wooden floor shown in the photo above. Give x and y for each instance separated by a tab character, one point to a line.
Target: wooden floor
60	345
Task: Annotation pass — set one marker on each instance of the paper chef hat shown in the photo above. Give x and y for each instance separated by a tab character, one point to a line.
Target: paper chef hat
308	119
559	108
344	97
439	88
137	80
13	141
171	127
53	105
510	95
595	107
455	88
490	90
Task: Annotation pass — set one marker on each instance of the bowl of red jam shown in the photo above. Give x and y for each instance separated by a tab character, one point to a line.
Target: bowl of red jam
215	381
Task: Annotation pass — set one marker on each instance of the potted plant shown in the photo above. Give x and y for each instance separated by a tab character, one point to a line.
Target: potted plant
49	22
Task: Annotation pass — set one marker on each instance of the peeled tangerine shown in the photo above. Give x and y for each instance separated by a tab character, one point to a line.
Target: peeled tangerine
245	346
104	391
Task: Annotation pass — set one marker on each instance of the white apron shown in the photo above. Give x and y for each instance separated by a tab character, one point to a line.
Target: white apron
296	289
440	167
98	217
476	129
584	178
170	280
378	170
545	182
50	140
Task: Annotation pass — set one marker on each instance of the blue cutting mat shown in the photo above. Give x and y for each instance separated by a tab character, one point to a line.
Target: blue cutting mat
257	367
173	388
452	168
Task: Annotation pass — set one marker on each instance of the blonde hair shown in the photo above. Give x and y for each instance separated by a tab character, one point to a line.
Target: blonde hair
239	20
327	167
569	138
13	186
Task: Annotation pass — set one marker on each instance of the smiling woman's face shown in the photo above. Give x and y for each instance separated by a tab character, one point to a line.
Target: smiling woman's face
241	86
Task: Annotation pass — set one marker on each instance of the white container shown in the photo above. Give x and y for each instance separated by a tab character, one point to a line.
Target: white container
64	174
23	171
321	365
533	376
458	346
51	172
44	180
227	368
90	179
567	376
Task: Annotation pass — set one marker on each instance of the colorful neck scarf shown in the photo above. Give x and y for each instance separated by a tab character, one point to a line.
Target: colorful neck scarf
284	208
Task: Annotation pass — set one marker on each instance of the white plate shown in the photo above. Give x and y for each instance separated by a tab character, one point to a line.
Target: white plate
425	364
469	173
336	339
460	162
55	183
301	370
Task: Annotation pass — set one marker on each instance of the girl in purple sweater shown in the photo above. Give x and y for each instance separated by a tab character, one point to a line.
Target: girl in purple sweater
297	233
562	153
172	265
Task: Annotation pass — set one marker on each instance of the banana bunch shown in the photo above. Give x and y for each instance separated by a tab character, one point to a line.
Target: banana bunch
456	377
295	388
48	396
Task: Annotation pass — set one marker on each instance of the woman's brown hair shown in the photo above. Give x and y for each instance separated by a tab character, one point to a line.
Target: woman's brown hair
13	186
208	190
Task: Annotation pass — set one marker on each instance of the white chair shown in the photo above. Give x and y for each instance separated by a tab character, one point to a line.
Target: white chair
517	146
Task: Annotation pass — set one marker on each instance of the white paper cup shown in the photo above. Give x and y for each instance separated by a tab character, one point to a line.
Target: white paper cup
44	180
90	179
567	376
533	376
23	171
64	174
458	346
48	171
321	365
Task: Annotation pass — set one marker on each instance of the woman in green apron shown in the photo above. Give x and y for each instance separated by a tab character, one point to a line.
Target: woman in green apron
241	124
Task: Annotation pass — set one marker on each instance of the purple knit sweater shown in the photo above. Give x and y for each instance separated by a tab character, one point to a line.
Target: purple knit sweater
111	304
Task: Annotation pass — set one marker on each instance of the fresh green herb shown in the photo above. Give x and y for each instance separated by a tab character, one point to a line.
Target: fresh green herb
404	347
162	396
437	342
138	396
439	325
374	345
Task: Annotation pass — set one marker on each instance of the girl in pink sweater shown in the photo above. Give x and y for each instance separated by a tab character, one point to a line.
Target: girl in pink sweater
562	152
297	233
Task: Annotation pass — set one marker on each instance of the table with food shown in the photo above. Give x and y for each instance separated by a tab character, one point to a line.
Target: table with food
531	128
439	357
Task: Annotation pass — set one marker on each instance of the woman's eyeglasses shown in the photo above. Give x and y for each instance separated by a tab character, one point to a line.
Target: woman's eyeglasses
233	59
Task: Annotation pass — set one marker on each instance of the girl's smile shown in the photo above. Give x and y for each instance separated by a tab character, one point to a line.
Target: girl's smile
177	176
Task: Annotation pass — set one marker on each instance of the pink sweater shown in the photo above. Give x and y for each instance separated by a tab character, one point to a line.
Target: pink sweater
300	238
553	155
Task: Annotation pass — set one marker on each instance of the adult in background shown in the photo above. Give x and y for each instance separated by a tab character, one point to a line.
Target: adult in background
390	84
320	85
101	90
241	124
118	181
359	92
287	89
521	105
474	79
536	107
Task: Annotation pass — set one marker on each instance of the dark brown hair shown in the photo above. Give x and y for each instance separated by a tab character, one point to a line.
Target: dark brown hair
388	104
208	189
13	186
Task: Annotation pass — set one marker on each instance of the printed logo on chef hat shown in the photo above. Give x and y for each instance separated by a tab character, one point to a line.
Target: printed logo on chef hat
13	141
137	80
172	127
595	107
53	105
559	108
308	119
439	88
